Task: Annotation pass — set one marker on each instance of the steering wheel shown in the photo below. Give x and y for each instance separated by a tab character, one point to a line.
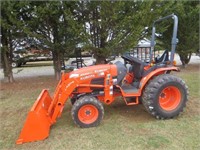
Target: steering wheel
127	58
132	59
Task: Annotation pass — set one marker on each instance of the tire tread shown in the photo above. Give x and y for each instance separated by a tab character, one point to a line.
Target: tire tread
149	94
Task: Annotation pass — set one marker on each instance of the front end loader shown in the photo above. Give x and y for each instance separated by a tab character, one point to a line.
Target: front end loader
163	95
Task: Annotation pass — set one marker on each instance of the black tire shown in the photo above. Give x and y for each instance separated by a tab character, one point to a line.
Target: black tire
14	64
85	117
19	64
73	100
170	88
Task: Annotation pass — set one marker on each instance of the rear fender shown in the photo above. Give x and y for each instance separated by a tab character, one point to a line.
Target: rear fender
154	73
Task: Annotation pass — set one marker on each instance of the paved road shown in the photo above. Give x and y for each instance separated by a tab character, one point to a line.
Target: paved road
36	69
32	69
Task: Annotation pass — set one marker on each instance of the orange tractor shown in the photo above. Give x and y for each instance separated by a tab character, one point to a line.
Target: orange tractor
163	95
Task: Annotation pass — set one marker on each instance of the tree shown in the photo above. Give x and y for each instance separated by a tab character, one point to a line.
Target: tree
54	24
105	27
115	26
188	29
11	29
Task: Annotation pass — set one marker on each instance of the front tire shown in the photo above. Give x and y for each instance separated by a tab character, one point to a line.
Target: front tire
14	64
165	96
87	112
73	100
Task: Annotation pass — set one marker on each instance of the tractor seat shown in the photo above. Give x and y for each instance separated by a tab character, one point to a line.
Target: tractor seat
138	67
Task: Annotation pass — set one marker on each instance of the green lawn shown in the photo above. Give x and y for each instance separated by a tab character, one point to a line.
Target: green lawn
123	127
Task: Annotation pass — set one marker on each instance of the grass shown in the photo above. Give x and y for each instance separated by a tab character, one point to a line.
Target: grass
123	127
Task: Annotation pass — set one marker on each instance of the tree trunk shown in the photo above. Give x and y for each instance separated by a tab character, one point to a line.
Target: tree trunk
6	55
185	58
100	60
57	64
7	68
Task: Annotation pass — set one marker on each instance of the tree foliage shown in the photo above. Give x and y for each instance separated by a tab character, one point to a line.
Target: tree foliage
11	29
188	29
103	27
54	25
114	26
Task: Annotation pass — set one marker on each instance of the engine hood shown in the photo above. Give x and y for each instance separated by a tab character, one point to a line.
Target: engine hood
98	71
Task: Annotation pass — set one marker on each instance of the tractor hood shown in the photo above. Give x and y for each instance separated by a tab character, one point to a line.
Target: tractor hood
97	71
96	74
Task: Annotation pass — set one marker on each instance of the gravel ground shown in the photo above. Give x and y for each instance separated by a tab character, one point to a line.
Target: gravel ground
36	69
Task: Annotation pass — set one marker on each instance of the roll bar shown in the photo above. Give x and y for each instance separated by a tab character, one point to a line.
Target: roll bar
174	40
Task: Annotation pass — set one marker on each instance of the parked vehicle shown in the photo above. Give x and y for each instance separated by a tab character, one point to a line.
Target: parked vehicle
19	59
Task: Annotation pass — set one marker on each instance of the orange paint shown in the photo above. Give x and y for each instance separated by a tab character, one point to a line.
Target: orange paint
38	121
88	114
46	110
170	98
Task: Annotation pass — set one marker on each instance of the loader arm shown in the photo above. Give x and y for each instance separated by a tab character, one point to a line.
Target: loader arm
46	110
63	91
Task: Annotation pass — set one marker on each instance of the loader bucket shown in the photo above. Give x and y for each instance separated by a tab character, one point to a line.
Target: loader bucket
38	122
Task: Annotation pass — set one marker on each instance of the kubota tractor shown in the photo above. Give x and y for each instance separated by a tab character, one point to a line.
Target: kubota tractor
163	95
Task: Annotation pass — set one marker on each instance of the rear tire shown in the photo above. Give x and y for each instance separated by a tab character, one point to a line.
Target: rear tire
87	112
165	96
19	64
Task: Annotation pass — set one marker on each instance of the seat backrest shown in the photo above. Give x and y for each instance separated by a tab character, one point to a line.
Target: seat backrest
138	70
163	58
138	66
